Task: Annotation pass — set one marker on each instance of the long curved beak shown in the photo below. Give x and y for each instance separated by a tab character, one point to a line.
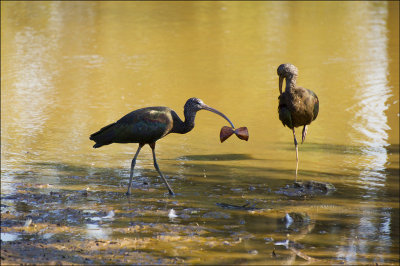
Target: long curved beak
208	108
280	84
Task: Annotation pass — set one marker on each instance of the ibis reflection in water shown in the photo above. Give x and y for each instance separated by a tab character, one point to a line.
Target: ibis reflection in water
147	125
297	106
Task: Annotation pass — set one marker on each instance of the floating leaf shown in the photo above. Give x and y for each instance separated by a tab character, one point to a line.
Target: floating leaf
225	133
242	133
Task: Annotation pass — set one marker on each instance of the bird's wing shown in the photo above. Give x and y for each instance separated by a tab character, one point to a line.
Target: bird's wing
316	104
144	125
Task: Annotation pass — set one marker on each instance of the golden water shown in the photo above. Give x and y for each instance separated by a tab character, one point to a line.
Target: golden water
70	68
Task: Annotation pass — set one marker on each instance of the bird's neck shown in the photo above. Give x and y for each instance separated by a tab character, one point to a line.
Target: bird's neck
189	121
290	83
183	127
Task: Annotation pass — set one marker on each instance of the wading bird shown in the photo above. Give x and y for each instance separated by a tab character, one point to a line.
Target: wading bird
147	125
297	106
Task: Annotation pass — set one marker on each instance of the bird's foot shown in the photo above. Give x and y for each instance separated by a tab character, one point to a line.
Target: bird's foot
298	181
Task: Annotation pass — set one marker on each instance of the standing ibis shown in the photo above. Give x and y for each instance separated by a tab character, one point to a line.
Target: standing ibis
297	106
147	125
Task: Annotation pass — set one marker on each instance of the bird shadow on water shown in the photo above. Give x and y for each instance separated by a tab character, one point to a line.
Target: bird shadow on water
216	157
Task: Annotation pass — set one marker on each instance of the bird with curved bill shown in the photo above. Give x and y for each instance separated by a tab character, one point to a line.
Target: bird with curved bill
297	106
147	125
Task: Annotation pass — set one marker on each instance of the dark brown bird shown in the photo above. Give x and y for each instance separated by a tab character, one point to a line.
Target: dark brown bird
147	125
297	106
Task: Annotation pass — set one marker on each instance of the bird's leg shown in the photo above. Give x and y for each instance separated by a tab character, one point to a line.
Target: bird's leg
132	167
297	153
153	146
304	133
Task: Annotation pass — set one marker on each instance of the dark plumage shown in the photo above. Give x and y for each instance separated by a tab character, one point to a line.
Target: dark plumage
297	106
147	125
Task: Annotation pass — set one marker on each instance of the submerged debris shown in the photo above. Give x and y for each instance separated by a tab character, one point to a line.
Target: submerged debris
216	215
295	248
28	222
172	214
296	219
245	207
307	188
110	215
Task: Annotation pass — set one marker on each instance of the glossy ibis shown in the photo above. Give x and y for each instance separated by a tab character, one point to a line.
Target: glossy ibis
297	106
147	125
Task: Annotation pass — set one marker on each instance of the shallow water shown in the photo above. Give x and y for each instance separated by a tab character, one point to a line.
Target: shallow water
70	68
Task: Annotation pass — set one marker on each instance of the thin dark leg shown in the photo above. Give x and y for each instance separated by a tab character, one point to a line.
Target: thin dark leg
132	167
303	138
153	146
297	153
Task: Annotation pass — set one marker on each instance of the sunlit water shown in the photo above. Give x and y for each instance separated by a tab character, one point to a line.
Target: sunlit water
70	68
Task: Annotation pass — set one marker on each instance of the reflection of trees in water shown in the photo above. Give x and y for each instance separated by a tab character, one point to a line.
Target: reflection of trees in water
370	125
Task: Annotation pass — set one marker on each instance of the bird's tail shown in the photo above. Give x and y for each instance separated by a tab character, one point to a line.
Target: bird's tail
103	136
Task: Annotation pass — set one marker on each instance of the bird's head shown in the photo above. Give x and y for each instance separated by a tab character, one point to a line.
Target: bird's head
194	105
287	71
